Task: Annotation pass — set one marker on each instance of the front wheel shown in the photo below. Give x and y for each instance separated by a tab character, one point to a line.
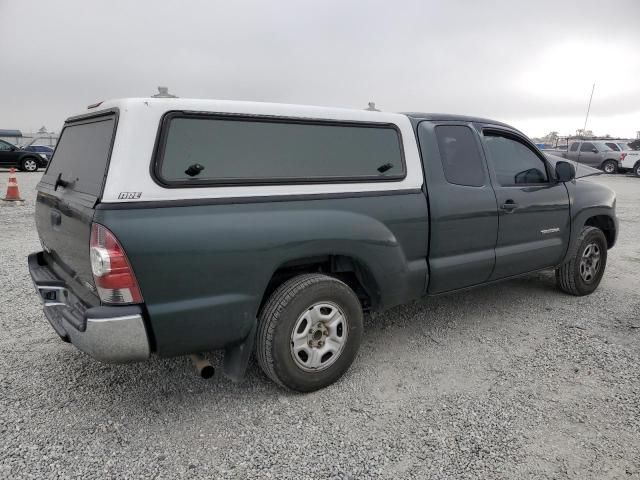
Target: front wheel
610	166
309	332
636	169
581	275
29	164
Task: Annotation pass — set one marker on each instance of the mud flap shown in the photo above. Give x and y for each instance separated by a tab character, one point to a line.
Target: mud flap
236	357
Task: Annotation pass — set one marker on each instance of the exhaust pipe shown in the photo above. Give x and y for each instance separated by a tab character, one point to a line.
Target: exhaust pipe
203	366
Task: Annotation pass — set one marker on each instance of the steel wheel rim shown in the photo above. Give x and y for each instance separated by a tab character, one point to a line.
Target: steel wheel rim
608	167
319	336
30	165
590	262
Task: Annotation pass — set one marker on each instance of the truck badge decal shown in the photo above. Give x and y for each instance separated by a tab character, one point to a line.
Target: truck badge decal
129	195
550	230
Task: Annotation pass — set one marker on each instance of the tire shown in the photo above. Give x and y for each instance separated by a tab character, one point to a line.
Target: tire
29	164
288	327
610	167
578	278
636	169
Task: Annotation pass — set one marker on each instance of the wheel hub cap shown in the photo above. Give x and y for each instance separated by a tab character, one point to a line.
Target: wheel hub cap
590	262
318	336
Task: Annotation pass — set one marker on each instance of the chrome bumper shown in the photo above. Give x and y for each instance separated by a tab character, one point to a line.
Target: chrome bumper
109	334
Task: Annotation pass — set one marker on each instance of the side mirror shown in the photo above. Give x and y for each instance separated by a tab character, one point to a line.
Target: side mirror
594	150
565	171
13	148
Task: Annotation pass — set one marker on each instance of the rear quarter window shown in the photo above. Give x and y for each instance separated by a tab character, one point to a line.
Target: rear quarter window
196	150
460	155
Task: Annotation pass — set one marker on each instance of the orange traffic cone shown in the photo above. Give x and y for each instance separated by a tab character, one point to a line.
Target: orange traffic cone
13	194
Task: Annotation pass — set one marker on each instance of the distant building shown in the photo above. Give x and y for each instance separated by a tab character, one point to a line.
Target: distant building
41	137
11	136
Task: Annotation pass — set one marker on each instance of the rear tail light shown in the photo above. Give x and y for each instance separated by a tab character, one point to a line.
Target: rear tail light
622	157
112	272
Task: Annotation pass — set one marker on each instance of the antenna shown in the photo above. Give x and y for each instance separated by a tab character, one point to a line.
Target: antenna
584	129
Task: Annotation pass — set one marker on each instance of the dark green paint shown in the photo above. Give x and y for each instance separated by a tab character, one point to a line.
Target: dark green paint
203	270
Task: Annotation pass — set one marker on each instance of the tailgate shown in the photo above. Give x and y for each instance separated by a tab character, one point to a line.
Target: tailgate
67	195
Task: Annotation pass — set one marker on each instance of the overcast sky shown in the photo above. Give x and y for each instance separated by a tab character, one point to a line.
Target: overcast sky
530	63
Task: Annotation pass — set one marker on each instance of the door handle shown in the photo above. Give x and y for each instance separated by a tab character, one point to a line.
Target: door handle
509	206
60	183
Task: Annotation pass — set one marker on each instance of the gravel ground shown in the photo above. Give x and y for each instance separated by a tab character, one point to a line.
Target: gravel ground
512	381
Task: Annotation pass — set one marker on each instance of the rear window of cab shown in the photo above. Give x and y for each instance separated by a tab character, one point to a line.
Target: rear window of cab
200	150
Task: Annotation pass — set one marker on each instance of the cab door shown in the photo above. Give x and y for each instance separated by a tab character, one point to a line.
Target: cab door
462	206
533	209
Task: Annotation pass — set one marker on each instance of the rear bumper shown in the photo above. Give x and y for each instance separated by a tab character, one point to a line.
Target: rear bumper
109	334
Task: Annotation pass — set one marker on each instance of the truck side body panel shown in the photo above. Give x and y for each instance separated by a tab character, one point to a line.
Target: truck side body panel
536	235
203	270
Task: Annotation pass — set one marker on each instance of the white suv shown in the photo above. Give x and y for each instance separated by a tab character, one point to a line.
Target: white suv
630	160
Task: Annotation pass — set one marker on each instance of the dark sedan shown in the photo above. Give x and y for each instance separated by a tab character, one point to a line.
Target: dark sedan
12	156
42	150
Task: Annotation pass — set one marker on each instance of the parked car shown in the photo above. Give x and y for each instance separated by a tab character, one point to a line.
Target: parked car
618	146
42	150
12	156
594	153
175	226
630	161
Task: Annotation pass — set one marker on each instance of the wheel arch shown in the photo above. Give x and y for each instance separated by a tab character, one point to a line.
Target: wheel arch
604	223
602	217
351	270
609	160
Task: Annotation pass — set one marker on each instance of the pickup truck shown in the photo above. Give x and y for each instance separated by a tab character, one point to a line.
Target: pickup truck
174	227
600	154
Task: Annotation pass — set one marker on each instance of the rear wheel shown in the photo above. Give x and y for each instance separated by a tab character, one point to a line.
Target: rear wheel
309	332
581	275
636	169
29	164
610	166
